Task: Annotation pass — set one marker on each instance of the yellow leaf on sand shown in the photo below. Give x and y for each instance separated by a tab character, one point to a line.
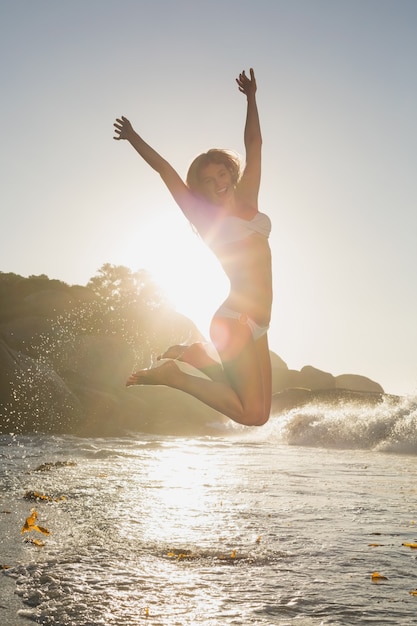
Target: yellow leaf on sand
413	593
30	521
410	545
376	576
30	524
375	545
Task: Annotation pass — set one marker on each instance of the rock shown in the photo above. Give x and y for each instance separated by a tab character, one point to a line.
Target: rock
49	302
313	378
9	366
308	377
27	333
59	375
288	399
291	399
357	383
33	397
172	412
102	361
277	363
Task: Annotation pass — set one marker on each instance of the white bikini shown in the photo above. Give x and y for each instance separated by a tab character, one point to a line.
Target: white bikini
233	229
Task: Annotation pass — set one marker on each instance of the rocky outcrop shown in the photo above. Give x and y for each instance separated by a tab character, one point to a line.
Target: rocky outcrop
357	383
315	379
294	389
79	387
34	397
296	398
58	375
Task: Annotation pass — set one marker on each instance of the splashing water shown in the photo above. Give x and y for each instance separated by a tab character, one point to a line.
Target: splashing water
390	426
237	529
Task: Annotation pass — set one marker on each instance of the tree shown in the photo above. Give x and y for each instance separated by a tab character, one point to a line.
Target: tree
127	299
119	287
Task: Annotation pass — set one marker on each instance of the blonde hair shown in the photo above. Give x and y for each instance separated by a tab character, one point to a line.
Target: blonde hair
220	157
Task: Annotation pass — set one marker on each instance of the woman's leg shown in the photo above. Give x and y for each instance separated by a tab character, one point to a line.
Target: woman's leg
247	364
196	355
244	395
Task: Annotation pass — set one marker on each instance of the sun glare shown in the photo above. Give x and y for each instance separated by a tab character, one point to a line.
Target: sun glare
184	268
183	477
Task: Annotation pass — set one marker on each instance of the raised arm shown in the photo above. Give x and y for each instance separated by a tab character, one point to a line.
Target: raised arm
175	184
251	177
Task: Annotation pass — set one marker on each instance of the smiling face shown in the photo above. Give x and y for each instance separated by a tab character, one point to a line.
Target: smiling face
216	183
214	175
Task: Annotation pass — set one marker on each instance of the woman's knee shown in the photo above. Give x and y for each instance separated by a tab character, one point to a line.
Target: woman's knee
255	416
260	420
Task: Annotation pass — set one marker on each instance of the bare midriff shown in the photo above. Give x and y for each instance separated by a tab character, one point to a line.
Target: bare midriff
247	264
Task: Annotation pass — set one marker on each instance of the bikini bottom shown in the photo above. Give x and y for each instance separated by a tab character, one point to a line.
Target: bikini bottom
256	330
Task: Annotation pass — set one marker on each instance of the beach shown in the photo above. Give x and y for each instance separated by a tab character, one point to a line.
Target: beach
308	520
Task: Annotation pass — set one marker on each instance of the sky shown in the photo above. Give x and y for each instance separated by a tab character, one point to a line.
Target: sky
337	97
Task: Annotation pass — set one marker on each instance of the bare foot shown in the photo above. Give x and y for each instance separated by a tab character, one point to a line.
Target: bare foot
194	355
166	374
174	352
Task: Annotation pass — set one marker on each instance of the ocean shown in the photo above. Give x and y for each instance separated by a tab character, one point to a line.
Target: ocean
309	520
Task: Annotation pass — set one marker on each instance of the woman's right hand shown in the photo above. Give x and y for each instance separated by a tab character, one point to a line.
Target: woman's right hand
123	128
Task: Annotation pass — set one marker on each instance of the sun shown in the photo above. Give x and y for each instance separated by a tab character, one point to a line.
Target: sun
184	268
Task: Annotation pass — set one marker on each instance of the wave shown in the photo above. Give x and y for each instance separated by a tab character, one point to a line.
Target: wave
389	426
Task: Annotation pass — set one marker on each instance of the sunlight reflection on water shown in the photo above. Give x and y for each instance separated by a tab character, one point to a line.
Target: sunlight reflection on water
210	531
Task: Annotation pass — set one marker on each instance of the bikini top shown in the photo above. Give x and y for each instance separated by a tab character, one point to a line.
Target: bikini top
233	228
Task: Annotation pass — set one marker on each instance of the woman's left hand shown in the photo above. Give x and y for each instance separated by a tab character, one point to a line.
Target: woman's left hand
247	85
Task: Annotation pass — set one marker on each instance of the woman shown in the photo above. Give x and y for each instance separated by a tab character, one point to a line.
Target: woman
222	205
